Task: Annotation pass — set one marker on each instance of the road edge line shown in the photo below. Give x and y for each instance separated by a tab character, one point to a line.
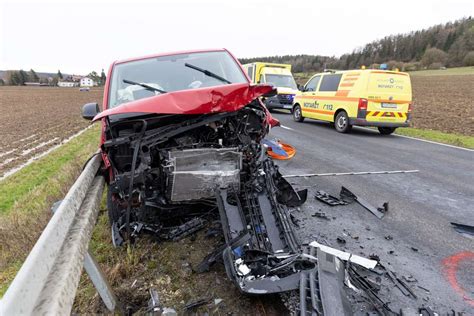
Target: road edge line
423	140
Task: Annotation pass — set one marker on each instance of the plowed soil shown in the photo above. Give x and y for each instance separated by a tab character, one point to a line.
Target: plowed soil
34	119
444	103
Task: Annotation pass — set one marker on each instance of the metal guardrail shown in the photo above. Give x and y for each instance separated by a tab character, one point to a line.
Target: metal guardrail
48	279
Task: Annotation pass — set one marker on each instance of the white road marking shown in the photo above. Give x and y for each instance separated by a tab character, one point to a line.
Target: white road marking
359	173
286	127
423	140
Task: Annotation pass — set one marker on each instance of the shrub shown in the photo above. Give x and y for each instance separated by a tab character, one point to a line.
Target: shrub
469	59
434	55
411	66
435	66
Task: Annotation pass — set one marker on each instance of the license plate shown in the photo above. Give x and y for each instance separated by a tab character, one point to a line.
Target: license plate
389	105
287	106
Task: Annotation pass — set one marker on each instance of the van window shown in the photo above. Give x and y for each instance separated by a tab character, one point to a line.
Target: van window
330	82
250	72
262	79
312	84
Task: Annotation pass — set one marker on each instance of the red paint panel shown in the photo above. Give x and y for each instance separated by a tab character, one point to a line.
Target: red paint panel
227	98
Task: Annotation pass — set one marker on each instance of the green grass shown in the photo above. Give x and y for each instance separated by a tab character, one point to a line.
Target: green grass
27	195
446	72
437	136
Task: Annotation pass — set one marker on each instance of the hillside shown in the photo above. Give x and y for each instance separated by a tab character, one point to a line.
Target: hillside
450	44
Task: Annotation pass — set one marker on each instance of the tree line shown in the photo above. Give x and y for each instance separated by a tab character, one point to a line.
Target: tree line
20	77
443	45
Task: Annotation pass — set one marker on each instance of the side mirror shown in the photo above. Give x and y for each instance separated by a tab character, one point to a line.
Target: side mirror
90	110
301	88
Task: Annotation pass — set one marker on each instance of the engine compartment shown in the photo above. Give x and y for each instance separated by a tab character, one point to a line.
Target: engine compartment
172	174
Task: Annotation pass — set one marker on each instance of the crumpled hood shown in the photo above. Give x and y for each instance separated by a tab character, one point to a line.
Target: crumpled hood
225	98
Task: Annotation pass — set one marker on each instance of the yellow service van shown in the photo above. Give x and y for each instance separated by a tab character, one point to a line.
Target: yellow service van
278	75
365	97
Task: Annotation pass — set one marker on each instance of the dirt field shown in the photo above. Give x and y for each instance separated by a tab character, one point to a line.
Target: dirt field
444	103
35	119
441	102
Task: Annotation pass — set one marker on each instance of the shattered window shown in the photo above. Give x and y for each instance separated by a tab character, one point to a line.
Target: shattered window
170	73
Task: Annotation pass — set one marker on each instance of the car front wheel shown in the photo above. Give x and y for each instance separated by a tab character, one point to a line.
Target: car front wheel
386	130
341	123
297	114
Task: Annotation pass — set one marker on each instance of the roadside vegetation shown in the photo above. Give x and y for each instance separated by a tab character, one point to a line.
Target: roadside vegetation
444	72
437	136
26	198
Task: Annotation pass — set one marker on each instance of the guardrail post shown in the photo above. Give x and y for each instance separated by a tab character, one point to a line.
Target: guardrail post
100	282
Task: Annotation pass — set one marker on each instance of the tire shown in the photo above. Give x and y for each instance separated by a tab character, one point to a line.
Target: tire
112	209
297	114
386	130
341	123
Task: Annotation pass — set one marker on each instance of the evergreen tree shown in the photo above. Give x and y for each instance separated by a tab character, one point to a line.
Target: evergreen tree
33	76
23	77
60	75
102	77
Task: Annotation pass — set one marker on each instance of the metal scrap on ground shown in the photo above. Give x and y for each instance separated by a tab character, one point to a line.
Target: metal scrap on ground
349	197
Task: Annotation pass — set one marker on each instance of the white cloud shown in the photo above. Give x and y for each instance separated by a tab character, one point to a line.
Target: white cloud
80	36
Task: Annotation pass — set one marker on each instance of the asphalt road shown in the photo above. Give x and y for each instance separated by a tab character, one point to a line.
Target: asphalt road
417	227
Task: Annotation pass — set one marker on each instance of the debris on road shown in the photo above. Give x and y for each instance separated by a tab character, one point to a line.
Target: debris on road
196	303
409	278
345	256
349	197
328	199
402	286
321	215
463	229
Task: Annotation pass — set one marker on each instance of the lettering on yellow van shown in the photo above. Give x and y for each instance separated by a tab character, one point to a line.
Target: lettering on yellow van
366	97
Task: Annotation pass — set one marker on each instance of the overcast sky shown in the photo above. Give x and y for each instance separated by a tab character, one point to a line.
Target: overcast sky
81	36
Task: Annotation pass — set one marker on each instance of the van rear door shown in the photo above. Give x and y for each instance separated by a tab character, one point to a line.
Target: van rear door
389	95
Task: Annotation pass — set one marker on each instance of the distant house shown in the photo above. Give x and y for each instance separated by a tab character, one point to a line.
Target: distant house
76	78
87	82
67	84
